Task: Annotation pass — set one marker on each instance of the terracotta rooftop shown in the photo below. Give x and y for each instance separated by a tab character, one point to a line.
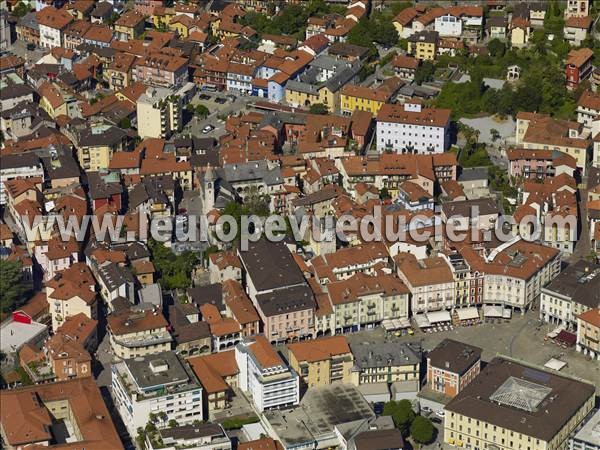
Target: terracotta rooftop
320	349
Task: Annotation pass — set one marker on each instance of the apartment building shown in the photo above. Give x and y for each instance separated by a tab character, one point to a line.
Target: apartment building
539	164
573	292
588	109
423	45
135	333
218	374
160	385
159	113
347	262
96	145
515	272
52	23
264	376
161	70
387	363
363	301
322	361
429	280
540	131
205	436
576	29
451	366
130	25
410	128
578	67
27	165
577	8
588	333
370	99
587	437
511	405
29	414
71	292
278	290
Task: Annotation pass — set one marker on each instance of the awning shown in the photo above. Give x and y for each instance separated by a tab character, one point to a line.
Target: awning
469	313
566	338
395	324
438	316
422	321
492	311
507	314
555	332
555	364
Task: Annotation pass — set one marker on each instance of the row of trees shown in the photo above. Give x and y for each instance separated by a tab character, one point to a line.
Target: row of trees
13	291
291	20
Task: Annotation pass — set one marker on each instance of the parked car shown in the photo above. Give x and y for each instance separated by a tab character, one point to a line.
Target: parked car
440	413
426	410
220	101
207	129
436	420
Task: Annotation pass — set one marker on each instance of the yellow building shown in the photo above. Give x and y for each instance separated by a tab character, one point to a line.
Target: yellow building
588	333
303	95
162	17
130	25
423	45
354	97
119	73
520	32
322	361
134	334
540	131
183	25
96	145
512	406
52	100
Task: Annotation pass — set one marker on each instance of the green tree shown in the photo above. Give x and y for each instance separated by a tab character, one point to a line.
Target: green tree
20	9
174	270
202	111
173	423
125	123
12	288
397	8
318	108
401	413
424	72
384	193
421	430
497	48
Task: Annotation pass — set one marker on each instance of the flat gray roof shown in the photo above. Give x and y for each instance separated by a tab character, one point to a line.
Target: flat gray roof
320	410
141	369
590	432
13	335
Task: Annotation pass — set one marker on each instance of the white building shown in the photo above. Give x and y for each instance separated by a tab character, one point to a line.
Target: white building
409	128
264	376
52	23
26	165
448	25
239	78
160	385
